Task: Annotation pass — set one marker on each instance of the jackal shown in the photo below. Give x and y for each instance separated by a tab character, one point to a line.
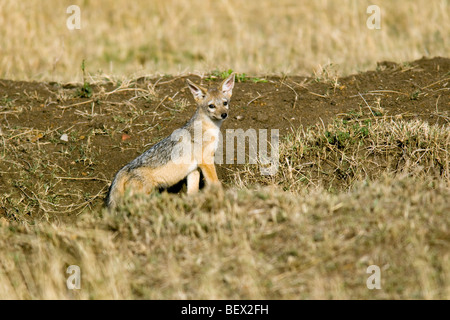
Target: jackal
181	154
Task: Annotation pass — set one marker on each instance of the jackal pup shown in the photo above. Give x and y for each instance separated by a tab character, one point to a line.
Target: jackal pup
181	154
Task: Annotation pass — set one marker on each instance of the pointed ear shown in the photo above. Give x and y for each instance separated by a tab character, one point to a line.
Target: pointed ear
227	86
197	91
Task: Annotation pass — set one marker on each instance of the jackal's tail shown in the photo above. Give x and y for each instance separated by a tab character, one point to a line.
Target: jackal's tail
116	190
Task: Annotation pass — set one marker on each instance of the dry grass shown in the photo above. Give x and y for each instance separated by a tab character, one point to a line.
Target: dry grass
357	147
284	36
391	210
243	244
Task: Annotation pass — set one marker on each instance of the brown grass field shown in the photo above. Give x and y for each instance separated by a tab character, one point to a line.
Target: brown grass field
364	156
133	38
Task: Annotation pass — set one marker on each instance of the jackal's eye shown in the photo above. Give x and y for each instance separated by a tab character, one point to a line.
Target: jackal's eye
211	106
225	103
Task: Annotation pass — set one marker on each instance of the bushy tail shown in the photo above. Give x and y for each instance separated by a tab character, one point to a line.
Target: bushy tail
116	190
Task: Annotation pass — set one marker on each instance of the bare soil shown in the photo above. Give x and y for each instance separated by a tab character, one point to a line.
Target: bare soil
117	123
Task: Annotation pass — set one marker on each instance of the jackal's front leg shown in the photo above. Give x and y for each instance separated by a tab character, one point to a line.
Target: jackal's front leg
209	172
193	181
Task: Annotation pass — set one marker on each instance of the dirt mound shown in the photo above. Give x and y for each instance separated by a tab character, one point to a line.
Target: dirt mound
65	142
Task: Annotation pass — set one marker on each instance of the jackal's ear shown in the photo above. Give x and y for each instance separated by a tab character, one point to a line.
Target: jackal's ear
227	86
197	91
